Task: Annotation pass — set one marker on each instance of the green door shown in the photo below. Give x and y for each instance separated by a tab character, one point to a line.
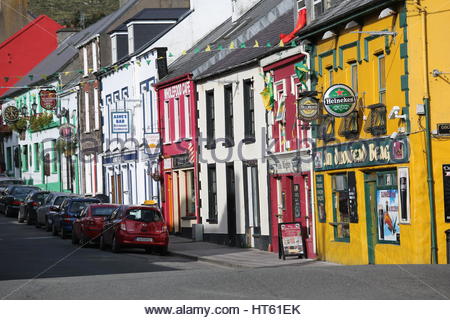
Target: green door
371	214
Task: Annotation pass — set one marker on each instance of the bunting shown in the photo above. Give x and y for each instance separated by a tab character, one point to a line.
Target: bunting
267	93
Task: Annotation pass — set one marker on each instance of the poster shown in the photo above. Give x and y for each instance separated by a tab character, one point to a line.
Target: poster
120	122
388	215
291	239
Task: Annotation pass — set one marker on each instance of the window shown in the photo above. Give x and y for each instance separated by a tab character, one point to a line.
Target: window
249	111
187	117
114	49
177	119
166	122
94	56
190	193
87	112
350	125
85	62
330	76
210	120
8	159
376	121
354	76
252	193
36	157
212	194
381	79
325	130
341	212
318	8
96	110
25	158
229	117
54	158
301	5
30	152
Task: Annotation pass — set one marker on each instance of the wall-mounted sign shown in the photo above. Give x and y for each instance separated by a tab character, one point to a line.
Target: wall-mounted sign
308	109
291	240
362	153
181	161
339	100
66	131
48	99
11	114
120	122
121	158
320	196
443	129
446	178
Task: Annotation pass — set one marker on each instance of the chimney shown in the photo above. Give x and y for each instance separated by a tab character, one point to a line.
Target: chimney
240	7
65	33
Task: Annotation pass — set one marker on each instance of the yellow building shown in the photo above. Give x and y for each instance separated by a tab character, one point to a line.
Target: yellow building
372	183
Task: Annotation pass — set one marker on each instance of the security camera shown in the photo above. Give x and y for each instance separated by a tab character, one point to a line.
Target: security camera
394	114
394	135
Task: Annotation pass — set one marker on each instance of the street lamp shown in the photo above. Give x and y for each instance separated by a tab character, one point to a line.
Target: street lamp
24	111
34	107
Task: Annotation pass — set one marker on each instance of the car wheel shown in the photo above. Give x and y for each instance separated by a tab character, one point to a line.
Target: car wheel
28	219
48	227
54	231
19	219
75	240
115	247
7	212
63	233
148	250
164	250
102	244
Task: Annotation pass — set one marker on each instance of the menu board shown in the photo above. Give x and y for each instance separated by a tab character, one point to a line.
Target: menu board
291	240
320	193
446	178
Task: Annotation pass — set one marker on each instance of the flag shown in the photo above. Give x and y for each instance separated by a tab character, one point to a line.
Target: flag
267	93
301	70
281	112
301	22
208	48
256	44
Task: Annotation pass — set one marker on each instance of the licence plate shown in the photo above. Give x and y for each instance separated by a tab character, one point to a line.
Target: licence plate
144	239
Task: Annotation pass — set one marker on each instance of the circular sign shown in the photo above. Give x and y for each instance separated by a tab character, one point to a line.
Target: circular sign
11	114
308	109
339	100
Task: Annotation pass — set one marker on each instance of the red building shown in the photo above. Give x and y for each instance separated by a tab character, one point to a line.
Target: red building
289	151
20	53
179	167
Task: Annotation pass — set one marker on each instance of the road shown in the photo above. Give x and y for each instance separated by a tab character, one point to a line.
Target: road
35	265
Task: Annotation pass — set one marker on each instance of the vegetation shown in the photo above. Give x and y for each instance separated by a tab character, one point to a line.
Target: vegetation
74	13
41	121
19	126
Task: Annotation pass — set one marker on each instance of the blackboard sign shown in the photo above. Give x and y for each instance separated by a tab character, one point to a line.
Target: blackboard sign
320	192
296	200
443	129
446	178
352	202
290	240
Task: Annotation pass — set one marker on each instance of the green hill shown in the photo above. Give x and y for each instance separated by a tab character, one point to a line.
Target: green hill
74	13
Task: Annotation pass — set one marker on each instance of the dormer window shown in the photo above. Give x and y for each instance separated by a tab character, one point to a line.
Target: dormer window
301	4
318	7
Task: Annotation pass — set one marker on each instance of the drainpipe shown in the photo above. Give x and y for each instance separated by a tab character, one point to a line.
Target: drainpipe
426	101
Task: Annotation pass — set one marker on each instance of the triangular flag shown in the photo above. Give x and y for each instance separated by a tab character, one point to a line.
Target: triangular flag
196	50
281	44
44	76
80	71
293	44
66	73
232	46
208	48
256	44
160	58
183	53
149	61
170	55
116	68
138	62
268	44
220	47
243	45
127	66
90	70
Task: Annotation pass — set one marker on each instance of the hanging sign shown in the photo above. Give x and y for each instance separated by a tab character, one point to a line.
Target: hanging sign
48	99
120	122
308	109
11	114
339	100
290	239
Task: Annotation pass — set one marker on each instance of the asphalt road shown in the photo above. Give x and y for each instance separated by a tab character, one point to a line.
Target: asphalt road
35	265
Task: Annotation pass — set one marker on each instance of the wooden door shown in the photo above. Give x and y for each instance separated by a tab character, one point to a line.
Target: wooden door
113	189
119	189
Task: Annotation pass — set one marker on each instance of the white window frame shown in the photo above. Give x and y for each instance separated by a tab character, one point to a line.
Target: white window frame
187	117
87	113
302	7
166	122
177	118
316	2
94	57
114	56
85	62
96	110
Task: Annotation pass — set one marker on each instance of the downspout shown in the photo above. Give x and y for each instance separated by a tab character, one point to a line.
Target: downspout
426	101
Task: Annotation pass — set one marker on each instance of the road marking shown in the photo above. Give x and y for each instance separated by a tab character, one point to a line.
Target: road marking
36	238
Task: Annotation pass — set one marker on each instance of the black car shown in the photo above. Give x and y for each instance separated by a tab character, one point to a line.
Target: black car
13	197
51	207
32	202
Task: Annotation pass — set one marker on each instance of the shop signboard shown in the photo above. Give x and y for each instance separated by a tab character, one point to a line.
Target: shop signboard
339	100
120	122
363	153
388	216
48	99
290	239
446	178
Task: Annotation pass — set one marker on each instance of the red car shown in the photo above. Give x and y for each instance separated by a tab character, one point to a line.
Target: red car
89	223
135	226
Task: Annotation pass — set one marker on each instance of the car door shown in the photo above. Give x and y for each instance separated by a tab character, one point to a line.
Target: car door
108	226
81	221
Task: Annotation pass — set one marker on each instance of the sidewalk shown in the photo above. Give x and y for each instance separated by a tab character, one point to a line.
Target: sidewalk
229	256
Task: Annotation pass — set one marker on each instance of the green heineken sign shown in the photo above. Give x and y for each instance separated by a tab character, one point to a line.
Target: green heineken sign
363	153
339	100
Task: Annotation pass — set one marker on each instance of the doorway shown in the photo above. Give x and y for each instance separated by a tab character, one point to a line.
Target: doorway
371	214
231	204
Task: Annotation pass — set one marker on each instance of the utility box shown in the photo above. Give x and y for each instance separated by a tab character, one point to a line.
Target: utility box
448	245
197	232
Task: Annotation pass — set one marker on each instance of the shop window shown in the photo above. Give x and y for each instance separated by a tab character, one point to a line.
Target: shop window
190	193
229	116
210	120
350	125
387	204
325	131
8	159
212	195
251	186
249	111
25	158
341	212
376	121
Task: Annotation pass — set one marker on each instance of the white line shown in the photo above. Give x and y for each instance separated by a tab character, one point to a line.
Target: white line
35	238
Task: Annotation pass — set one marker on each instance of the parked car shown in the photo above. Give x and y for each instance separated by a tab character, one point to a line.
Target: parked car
89	224
6	181
51	206
70	208
135	226
27	210
13	196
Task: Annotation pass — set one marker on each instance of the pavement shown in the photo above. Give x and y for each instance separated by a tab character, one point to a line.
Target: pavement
229	256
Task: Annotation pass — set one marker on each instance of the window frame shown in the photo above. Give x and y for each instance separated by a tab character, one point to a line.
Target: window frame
213	211
229	115
249	111
167	121
381	67
378	112
210	119
337	223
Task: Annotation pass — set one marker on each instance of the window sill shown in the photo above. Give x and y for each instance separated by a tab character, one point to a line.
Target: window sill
211	221
210	146
249	140
228	144
347	240
189	218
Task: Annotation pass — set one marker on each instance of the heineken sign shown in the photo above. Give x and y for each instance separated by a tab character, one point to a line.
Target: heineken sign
362	153
339	100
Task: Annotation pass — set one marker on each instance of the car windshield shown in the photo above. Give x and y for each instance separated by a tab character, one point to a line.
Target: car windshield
40	197
144	215
78	206
103	211
22	192
59	200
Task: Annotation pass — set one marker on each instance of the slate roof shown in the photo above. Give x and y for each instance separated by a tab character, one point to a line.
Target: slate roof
66	51
264	22
160	14
339	12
